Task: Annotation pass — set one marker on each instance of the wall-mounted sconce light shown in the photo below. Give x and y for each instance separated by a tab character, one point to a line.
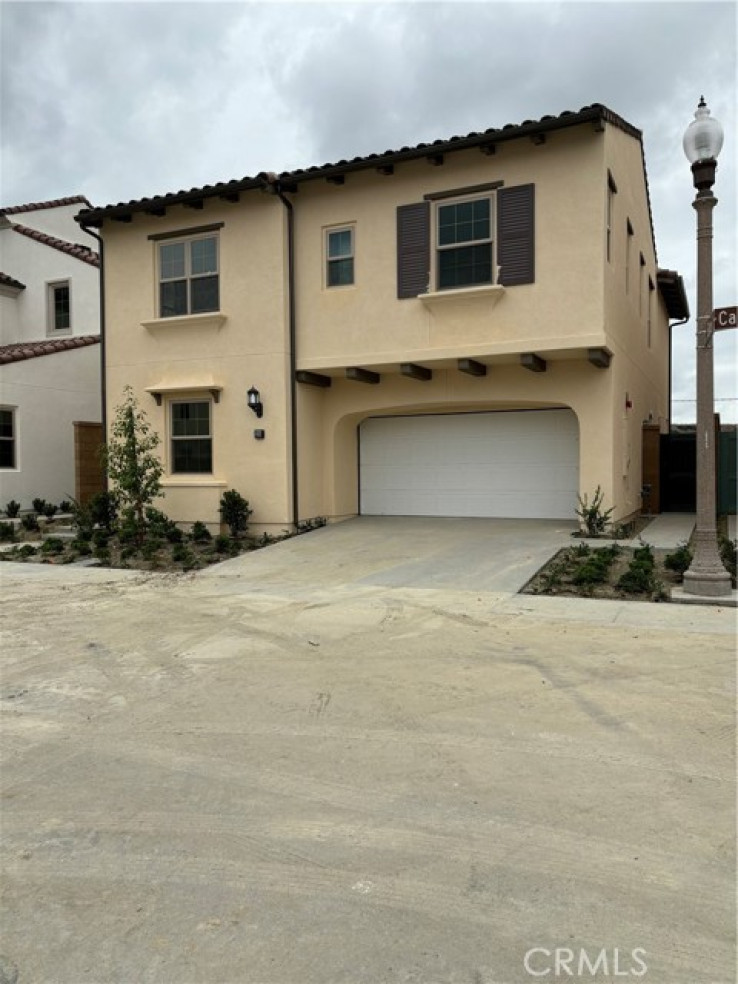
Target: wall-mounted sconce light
254	398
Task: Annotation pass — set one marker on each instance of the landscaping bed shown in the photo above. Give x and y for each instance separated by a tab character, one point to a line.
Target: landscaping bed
615	571
33	538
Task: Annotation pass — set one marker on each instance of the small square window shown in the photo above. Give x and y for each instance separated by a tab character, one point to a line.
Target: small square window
8	438
339	257
59	305
191	437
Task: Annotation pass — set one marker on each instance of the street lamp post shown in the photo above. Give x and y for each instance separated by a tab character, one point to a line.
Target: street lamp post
706	575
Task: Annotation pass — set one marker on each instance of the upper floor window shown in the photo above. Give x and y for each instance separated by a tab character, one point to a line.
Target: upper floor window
59	307
339	248
611	192
628	251
7	437
464	243
191	437
466	237
188	276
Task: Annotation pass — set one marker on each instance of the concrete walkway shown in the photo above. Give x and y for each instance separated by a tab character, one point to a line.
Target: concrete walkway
667	531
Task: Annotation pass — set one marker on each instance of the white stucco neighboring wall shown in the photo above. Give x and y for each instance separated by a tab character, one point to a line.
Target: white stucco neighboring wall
38	265
48	395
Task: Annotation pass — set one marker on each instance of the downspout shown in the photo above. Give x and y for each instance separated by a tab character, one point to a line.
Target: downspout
103	379
272	185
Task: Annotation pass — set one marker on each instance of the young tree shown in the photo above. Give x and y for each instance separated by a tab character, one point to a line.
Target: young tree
132	464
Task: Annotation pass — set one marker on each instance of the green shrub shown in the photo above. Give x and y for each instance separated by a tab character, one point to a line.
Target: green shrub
593	517
7	532
643	555
200	533
103	510
103	555
50	510
65	506
82	547
680	560
151	547
638	579
12	509
38	506
222	543
234	511
100	538
29	523
728	550
26	550
52	545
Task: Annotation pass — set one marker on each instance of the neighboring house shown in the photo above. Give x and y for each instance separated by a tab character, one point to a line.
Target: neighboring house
472	327
49	348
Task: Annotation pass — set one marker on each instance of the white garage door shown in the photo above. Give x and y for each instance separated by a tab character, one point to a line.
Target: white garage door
517	464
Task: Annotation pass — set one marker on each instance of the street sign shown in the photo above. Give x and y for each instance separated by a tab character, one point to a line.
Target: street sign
726	317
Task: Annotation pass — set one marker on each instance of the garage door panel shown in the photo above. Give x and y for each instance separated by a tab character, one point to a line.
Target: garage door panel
507	464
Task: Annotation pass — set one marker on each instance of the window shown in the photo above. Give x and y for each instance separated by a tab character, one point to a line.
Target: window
649	314
464	244
188	276
339	257
628	250
192	443
478	239
7	437
59	307
611	192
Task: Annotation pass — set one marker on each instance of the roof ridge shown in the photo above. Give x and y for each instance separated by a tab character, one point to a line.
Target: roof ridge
77	250
53	203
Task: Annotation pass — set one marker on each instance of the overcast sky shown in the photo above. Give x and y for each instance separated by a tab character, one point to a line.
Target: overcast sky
121	100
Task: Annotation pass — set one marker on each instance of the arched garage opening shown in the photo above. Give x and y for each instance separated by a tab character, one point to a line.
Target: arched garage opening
516	464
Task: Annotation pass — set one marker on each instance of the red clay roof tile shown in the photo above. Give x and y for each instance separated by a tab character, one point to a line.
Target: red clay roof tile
80	252
19	351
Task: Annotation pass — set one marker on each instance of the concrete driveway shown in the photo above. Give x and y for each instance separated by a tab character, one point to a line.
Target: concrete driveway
340	760
411	552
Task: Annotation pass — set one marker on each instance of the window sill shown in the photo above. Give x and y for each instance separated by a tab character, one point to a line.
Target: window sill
210	319
193	482
491	292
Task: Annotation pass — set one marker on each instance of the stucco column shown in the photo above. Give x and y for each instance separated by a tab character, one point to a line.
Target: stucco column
706	575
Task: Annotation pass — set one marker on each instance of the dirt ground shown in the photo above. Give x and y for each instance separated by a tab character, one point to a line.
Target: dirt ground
284	774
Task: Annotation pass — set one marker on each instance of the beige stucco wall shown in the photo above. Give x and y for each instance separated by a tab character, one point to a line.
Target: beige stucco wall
184	357
577	301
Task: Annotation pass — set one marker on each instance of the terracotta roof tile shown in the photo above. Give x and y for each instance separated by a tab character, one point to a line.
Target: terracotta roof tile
35	206
83	253
32	350
6	281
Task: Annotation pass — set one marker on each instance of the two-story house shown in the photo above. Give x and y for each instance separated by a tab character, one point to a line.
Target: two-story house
472	327
50	367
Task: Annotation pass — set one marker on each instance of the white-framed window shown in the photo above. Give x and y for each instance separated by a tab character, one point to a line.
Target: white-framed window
191	437
8	438
339	254
188	276
464	242
59	307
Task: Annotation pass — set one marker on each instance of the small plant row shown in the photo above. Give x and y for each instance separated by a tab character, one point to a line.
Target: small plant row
40	508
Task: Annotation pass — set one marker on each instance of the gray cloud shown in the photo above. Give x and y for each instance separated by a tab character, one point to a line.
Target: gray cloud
122	100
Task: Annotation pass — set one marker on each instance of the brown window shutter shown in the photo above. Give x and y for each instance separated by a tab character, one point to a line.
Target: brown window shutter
413	249
516	235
